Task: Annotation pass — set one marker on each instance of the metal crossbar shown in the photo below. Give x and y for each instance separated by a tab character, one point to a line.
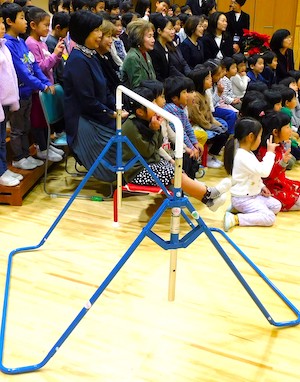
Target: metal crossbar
178	204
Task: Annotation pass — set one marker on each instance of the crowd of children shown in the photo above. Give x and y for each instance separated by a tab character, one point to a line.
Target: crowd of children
250	105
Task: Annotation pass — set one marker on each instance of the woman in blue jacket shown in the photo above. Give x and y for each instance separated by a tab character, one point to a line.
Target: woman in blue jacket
89	105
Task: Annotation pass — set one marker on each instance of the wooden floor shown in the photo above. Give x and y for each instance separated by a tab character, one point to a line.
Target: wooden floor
212	332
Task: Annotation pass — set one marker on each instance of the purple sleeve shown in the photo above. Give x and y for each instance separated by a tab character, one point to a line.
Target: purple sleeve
45	62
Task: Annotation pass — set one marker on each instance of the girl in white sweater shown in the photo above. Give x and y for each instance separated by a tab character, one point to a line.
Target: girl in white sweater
250	198
240	80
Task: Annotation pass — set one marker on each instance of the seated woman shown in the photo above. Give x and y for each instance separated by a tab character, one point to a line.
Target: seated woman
281	44
166	58
217	43
109	67
137	65
191	47
89	106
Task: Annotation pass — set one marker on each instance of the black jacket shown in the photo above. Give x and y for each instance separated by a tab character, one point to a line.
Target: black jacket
195	7
211	48
235	28
160	62
193	54
285	63
174	66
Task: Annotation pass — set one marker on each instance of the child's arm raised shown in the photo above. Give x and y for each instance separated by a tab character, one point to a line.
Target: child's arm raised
271	146
45	61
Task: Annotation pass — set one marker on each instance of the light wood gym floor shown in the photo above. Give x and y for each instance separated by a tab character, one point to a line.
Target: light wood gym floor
212	332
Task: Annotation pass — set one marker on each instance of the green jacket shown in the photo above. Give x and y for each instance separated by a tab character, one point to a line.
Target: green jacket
136	69
288	111
147	145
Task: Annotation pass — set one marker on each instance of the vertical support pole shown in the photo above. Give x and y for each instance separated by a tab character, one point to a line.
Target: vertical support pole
119	150
119	190
172	274
175	229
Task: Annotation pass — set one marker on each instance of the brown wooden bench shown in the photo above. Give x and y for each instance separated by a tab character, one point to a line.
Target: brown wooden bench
14	195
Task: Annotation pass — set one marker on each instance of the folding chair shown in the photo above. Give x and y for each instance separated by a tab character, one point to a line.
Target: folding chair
52	105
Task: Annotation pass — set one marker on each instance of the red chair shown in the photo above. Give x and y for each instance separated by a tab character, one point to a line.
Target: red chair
204	156
135	188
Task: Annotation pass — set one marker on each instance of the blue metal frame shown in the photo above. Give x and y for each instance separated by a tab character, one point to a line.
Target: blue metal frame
176	203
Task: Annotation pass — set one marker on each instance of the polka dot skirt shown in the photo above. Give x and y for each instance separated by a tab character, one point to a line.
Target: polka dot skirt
164	170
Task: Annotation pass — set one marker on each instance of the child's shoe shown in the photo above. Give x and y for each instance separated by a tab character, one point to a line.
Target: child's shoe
6	180
213	162
60	139
23	164
231	209
57	150
52	156
200	173
35	161
218	202
224	185
14	174
220	188
230	220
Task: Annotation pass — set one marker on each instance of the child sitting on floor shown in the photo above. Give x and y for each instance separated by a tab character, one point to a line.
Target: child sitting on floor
256	66
144	131
287	191
190	165
177	99
249	196
219	108
201	115
289	103
228	95
240	80
269	72
118	50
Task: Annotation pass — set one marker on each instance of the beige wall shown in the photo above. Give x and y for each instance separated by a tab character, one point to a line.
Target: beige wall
297	38
269	15
250	7
41	3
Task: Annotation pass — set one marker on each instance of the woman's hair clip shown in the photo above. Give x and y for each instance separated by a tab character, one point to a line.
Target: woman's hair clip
262	114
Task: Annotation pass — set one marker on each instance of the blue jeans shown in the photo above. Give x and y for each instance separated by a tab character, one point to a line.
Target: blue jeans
228	115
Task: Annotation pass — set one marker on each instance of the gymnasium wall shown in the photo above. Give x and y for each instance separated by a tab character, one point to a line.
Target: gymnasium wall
266	16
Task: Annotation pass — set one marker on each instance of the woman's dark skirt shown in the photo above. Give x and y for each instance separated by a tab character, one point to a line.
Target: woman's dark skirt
89	143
